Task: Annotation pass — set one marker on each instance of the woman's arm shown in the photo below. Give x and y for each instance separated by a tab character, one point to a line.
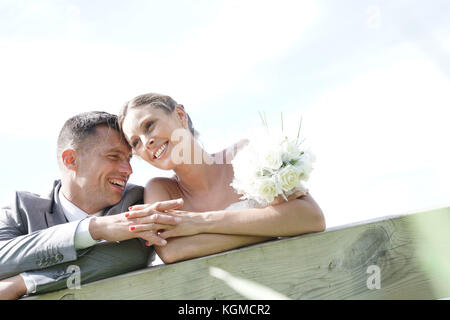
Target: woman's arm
188	247
291	218
200	245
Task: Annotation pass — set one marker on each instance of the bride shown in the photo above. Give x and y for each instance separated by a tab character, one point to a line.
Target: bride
211	217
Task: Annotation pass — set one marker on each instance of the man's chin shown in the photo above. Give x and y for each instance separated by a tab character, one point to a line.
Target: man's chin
113	200
114	196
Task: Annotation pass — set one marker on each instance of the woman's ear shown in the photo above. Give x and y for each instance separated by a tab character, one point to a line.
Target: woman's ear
68	158
181	115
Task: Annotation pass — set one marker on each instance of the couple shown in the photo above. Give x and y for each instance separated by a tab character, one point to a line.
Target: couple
95	221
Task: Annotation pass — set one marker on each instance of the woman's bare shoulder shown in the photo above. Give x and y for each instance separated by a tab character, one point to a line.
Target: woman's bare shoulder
241	143
160	181
160	189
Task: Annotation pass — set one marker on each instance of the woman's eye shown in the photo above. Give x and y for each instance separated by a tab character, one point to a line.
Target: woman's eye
134	143
149	124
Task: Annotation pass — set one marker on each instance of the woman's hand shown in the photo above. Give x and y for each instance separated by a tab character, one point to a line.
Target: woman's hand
188	223
295	195
121	226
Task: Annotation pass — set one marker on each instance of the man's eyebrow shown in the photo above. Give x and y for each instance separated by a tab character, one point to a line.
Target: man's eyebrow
116	150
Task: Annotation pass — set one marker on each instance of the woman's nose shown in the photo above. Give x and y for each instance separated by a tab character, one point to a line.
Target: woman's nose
149	143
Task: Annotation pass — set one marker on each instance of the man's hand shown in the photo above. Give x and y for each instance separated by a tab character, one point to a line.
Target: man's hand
12	288
120	227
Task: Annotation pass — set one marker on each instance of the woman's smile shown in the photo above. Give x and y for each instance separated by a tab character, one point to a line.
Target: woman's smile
161	151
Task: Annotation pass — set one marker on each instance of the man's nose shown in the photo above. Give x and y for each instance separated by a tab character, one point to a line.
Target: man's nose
125	167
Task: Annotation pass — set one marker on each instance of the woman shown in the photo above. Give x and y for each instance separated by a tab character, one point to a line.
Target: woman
153	125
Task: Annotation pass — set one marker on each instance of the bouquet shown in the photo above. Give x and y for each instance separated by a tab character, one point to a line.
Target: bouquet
271	166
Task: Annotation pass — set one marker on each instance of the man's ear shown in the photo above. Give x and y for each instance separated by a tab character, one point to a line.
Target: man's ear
181	115
68	158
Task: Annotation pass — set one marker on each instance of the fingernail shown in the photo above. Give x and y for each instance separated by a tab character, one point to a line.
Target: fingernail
127	215
180	200
147	243
132	228
177	220
129	208
164	242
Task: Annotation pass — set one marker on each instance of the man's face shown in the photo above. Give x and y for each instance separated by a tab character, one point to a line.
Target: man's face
102	169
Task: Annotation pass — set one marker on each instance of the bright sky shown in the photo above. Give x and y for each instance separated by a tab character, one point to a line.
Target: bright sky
370	78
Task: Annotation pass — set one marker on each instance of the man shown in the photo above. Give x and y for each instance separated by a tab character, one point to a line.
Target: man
43	239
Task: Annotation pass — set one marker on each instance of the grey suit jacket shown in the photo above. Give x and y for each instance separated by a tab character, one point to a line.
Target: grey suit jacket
36	237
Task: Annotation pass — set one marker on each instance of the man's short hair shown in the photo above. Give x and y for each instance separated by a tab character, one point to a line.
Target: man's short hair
78	128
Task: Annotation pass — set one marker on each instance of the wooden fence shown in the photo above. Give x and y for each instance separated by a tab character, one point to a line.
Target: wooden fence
396	257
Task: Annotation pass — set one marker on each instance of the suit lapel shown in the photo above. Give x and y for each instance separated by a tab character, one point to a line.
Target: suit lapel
133	195
54	214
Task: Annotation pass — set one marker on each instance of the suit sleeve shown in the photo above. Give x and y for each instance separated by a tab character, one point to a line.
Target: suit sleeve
104	260
46	255
21	251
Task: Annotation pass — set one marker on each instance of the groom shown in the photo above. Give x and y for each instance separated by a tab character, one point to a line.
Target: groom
43	239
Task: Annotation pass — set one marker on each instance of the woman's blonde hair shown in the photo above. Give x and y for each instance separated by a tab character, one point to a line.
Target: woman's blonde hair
155	100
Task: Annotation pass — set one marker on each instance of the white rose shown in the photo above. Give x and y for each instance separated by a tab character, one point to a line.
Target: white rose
271	159
305	164
290	150
267	189
289	178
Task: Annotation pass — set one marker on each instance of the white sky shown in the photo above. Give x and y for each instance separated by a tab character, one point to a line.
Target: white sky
371	79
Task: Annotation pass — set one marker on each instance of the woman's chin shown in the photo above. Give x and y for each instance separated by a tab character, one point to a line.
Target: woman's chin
162	164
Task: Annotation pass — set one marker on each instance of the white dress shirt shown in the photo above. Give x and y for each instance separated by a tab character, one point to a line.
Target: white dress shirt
83	238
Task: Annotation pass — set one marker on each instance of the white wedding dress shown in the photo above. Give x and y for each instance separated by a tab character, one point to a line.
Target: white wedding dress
248	204
244	204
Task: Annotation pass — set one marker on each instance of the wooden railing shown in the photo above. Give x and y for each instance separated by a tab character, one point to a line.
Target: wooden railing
409	253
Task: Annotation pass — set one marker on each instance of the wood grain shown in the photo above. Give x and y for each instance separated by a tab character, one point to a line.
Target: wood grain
327	265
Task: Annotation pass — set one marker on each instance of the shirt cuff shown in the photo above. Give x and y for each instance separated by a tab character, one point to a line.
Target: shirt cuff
29	283
83	238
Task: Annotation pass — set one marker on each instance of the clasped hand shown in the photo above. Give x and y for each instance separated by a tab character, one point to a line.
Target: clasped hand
124	226
187	223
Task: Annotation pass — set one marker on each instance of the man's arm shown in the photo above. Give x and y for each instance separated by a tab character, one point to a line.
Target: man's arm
104	260
55	245
44	255
20	252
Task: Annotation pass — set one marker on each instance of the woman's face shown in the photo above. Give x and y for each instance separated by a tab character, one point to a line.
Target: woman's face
149	131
